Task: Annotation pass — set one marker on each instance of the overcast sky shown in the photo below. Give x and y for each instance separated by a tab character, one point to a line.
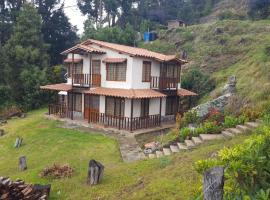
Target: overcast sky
74	14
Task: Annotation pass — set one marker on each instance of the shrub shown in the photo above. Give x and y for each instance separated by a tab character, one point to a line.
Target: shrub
189	118
246	166
214	115
211	128
184	134
231	121
251	113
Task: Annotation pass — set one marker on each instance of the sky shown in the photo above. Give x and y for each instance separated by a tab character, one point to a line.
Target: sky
74	14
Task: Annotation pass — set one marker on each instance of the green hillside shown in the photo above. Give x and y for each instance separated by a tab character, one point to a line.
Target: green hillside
225	48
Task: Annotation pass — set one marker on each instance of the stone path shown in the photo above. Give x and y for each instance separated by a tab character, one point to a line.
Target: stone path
196	141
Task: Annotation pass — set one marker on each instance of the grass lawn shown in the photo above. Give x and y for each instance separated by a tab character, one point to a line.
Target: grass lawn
44	144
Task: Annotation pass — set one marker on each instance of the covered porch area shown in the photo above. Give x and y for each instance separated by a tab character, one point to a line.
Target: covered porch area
123	109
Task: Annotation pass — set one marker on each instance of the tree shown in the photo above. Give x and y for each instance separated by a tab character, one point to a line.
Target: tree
259	9
56	28
114	34
27	58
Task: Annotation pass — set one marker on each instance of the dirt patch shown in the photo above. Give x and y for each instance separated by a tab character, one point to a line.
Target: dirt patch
57	171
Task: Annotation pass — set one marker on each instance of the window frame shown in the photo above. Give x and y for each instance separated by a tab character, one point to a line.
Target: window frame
116	72
171	105
115	102
146	64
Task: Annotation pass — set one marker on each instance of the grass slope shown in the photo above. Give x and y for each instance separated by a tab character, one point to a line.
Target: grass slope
45	144
225	48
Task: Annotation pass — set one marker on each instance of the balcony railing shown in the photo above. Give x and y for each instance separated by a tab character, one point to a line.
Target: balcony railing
60	110
86	80
163	83
125	123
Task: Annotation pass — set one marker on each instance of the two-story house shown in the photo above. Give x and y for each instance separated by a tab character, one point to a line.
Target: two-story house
119	86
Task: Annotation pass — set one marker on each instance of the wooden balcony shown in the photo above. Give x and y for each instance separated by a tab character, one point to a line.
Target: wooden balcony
164	83
86	80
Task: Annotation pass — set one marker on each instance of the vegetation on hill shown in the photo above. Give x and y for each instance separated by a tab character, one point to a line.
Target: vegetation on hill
45	143
225	48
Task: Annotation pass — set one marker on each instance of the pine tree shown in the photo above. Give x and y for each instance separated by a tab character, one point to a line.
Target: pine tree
27	58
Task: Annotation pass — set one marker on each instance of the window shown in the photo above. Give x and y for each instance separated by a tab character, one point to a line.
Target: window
116	71
96	66
171	71
92	102
146	71
115	106
76	100
144	107
78	68
171	105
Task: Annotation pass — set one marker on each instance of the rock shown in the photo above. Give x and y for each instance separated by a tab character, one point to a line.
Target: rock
22	163
148	151
2	132
95	172
230	87
218	30
3	121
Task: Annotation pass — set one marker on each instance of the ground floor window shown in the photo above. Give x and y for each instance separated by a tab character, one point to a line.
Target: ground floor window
75	102
115	106
171	105
91	102
144	107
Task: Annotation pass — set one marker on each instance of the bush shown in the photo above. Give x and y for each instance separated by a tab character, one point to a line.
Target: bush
246	166
252	113
184	134
189	118
211	128
214	115
231	121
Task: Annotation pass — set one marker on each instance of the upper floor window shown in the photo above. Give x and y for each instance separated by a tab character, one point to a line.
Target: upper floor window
116	71
146	71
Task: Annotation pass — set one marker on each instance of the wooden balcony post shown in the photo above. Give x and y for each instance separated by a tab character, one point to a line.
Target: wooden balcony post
72	106
160	109
131	116
72	68
119	120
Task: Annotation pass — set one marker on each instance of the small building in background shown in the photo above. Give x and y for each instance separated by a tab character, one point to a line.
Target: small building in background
175	24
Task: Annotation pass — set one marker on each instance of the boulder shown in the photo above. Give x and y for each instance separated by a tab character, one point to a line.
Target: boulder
230	87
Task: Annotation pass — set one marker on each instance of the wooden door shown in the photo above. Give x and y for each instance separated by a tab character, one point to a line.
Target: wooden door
96	75
91	108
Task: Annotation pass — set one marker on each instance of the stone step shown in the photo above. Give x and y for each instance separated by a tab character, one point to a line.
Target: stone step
174	148
182	146
234	131
189	144
151	155
159	154
227	134
209	137
252	124
167	151
196	140
243	128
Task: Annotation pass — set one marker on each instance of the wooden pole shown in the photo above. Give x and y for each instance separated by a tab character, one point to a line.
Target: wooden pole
71	105
22	163
160	109
72	70
131	116
213	183
119	120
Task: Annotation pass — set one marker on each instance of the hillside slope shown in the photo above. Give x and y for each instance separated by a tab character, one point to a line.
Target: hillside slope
225	48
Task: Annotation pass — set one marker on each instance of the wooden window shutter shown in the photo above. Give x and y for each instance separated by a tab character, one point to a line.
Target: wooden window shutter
146	71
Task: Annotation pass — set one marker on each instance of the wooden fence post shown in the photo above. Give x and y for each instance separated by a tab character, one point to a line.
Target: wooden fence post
213	183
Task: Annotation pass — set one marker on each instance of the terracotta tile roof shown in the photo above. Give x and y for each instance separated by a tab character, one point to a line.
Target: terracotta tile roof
126	93
134	51
114	60
82	47
57	87
76	60
184	92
